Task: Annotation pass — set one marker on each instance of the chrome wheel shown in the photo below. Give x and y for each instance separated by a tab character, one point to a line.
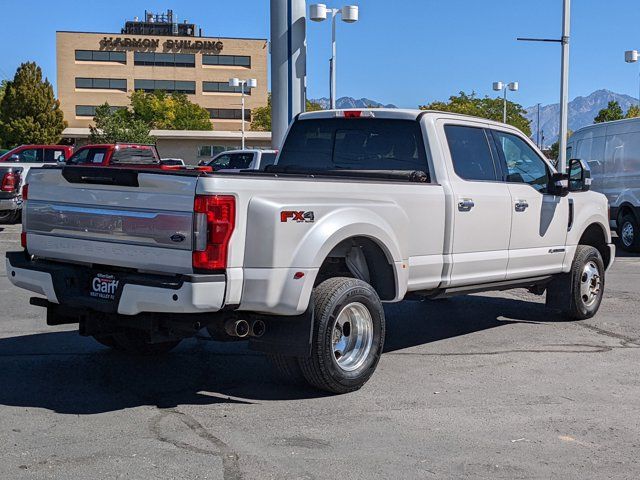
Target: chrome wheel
627	234
590	284
352	336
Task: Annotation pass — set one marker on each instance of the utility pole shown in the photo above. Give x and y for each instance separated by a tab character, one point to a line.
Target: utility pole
564	81
538	124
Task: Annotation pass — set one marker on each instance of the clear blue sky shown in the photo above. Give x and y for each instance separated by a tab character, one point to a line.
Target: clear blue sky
407	53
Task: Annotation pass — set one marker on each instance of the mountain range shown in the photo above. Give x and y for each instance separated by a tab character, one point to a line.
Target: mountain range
582	111
349	102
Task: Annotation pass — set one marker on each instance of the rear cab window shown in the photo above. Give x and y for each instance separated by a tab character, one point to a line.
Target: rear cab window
134	156
364	144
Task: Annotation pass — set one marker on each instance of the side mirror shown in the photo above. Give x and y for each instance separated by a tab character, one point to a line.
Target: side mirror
14	158
559	184
579	176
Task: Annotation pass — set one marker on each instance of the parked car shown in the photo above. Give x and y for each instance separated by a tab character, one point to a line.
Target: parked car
362	207
33	156
10	196
236	160
117	155
612	150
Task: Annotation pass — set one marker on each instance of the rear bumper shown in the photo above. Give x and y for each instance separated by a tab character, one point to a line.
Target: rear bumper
70	285
14	203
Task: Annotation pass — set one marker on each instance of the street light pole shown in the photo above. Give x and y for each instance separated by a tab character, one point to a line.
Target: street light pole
631	56
564	87
564	81
249	83
350	14
513	86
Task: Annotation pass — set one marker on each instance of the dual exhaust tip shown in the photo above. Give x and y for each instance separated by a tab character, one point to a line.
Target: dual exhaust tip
243	328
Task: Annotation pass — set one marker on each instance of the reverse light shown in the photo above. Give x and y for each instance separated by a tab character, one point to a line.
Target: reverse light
213	225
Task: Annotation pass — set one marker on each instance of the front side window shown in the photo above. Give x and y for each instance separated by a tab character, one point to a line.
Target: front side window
470	153
221	162
87	156
523	165
52	156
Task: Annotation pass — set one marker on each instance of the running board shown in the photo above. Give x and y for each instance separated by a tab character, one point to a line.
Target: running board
493	286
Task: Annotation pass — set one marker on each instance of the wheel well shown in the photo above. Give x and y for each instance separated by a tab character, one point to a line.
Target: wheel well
362	258
594	236
625	208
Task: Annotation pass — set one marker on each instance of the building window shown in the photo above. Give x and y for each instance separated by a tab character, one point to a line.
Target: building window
102	83
227	60
90	110
169	86
101	56
223	87
152	59
212	150
229	114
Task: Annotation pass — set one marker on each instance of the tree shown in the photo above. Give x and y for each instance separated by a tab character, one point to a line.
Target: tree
633	112
491	108
113	125
164	111
29	111
261	116
612	112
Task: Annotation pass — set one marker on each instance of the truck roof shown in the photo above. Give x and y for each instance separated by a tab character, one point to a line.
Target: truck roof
396	113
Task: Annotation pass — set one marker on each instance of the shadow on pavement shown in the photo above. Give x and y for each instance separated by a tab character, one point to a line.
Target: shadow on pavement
66	373
620	253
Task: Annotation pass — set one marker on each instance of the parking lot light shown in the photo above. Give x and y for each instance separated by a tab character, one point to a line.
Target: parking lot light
500	86
248	83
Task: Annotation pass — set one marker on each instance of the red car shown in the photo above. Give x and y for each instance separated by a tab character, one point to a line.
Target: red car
38	154
117	155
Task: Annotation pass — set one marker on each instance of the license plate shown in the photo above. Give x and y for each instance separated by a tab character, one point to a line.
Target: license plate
103	286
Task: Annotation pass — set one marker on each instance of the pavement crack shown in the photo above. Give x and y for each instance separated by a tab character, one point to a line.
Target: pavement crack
231	468
625	340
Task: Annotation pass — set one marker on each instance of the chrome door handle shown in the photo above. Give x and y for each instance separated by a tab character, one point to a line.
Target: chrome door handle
466	205
521	205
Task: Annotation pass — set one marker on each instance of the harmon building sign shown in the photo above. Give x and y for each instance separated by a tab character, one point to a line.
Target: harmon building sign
153	43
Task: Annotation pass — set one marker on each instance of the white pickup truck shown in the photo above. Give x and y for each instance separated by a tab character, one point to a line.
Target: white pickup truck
362	207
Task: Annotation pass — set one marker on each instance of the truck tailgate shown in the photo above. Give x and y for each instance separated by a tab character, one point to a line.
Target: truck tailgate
123	218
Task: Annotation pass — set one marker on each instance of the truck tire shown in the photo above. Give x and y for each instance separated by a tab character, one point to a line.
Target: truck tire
629	233
136	342
287	367
587	284
9	216
348	335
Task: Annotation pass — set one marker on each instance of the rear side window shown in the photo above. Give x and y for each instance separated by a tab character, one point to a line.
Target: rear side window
133	156
267	159
240	161
355	144
88	156
470	153
52	156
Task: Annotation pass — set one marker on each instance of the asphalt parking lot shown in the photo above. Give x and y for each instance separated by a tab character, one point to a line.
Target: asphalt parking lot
484	386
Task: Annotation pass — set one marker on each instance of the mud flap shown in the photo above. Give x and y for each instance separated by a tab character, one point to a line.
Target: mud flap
559	293
290	336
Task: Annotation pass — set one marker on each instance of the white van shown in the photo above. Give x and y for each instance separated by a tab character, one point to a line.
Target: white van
612	150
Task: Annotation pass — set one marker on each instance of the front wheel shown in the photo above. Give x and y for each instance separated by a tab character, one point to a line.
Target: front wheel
348	336
587	283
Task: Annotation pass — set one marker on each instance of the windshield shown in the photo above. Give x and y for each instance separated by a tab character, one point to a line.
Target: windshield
354	144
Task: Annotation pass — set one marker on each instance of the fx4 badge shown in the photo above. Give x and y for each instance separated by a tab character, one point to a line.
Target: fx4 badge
298	217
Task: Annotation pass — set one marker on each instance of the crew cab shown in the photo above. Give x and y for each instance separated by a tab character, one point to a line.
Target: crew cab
361	207
236	160
127	155
10	196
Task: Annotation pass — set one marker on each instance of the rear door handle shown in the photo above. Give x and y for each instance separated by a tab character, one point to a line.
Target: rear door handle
521	205
465	205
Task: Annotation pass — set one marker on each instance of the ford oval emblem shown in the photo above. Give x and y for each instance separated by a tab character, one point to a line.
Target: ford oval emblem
178	237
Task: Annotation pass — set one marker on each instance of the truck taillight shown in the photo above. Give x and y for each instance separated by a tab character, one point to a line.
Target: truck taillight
25	192
23	240
215	217
10	182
